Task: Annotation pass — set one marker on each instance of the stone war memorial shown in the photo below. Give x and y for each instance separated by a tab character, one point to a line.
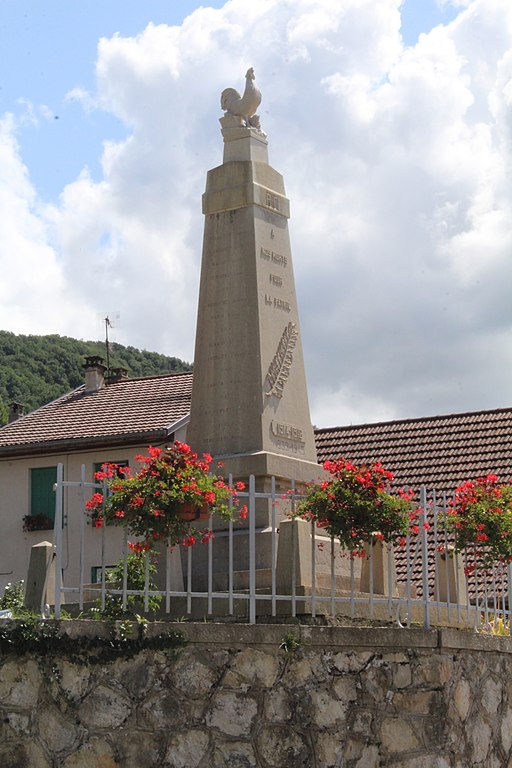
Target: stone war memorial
249	400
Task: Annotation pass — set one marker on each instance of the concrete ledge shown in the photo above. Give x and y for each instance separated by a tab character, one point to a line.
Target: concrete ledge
474	641
240	635
368	637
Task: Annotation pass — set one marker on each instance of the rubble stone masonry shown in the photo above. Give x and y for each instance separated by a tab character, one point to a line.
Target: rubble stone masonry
345	697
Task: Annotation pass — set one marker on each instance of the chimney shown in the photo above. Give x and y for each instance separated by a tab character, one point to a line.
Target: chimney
117	374
94	373
16	411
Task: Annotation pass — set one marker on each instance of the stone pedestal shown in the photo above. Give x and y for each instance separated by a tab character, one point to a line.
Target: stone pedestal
451	584
40	583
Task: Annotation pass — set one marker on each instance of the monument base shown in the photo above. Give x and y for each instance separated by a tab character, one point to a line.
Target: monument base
268	515
266	464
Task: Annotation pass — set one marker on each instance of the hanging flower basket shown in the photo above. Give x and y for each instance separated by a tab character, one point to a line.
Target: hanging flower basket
37	523
189	512
480	515
356	506
171	489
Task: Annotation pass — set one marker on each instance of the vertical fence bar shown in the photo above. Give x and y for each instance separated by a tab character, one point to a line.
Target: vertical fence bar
389	550
436	557
273	543
230	552
352	586
313	570
252	550
455	565
466	573
333	579
370	545
125	567
59	492
146	582
103	547
495	600
424	553
503	607
168	577
189	580
294	559
477	619
408	576
81	554
210	569
509	597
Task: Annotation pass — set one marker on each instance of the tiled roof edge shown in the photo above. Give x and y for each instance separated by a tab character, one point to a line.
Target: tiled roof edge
78	443
414	420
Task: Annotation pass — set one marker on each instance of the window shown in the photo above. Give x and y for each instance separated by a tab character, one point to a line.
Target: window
96	467
42	496
97	572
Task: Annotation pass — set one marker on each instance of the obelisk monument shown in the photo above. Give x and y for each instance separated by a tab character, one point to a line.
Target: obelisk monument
249	400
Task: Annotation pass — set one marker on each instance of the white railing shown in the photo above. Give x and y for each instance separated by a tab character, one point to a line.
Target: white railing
269	565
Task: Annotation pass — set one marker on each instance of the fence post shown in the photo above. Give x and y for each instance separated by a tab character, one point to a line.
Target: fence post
378	570
450	579
252	550
57	537
424	556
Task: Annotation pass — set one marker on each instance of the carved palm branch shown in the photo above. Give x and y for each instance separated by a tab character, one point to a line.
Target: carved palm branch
279	369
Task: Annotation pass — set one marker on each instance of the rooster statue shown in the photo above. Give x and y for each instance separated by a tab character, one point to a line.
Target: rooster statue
243	106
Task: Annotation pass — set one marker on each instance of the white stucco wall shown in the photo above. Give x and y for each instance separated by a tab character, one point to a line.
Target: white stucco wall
15	544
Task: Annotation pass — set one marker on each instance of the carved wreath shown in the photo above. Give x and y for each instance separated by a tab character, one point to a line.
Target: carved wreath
279	369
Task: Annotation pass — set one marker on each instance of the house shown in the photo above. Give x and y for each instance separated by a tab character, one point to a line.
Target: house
105	419
116	418
438	452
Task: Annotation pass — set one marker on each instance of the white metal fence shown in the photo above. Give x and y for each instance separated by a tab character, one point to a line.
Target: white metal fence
253	569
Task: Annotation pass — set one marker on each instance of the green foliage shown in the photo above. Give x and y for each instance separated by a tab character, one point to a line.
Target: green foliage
496	626
291	642
159	500
37	369
355	505
136	579
481	517
13	597
45	639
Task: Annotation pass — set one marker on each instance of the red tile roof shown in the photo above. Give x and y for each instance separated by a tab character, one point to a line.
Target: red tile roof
439	452
128	411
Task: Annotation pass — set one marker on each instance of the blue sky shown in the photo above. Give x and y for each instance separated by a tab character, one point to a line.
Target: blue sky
49	48
391	123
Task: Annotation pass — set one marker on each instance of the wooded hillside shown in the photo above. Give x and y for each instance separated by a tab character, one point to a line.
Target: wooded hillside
36	369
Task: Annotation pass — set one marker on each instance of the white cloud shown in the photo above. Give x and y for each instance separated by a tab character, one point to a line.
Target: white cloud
33	291
397	162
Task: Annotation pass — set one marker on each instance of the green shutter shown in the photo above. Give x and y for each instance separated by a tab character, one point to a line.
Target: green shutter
42	495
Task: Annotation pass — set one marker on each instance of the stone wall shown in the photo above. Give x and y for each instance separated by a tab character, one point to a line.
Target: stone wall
344	698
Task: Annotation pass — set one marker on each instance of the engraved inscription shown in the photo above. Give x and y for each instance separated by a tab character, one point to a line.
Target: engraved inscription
289	446
279	369
271	301
278	258
275	280
288	431
272	201
281	304
272	256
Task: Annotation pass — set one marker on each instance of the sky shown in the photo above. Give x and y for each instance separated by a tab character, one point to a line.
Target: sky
391	122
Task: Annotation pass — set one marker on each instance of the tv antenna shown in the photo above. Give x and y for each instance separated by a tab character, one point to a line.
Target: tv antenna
111	320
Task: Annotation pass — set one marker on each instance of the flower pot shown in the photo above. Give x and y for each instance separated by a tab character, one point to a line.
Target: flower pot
190	512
